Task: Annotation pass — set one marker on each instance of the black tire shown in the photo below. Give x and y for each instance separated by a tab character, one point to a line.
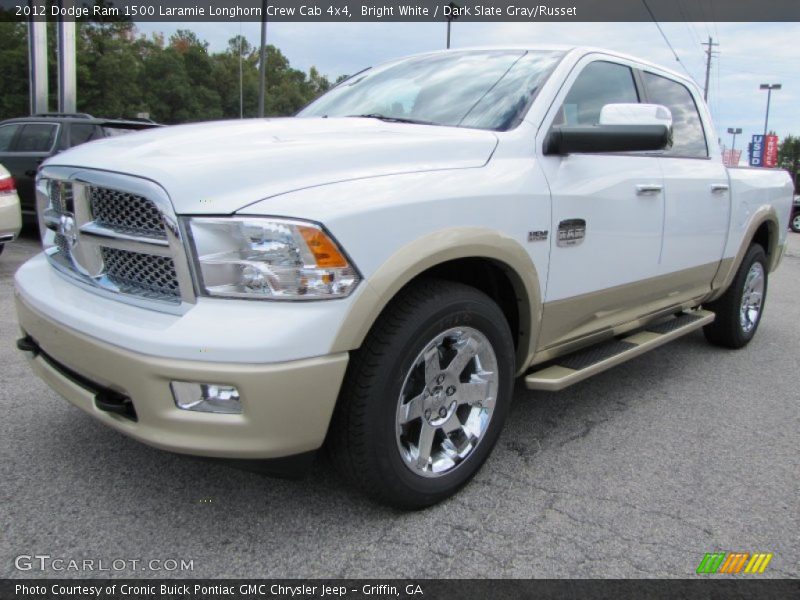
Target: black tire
727	329
1	248
363	440
794	223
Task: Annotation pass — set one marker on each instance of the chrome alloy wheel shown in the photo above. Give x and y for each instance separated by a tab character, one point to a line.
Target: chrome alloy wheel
446	401
752	297
796	222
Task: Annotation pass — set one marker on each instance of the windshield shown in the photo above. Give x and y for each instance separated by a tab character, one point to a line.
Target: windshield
483	89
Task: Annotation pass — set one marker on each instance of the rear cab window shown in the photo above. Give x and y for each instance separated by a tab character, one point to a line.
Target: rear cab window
689	138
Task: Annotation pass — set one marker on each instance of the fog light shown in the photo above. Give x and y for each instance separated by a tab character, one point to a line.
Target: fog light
206	397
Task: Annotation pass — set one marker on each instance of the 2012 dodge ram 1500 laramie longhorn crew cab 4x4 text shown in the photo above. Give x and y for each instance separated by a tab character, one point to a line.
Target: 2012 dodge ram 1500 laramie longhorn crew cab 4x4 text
372	274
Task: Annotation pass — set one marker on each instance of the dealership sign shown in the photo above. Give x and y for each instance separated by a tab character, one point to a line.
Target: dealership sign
764	151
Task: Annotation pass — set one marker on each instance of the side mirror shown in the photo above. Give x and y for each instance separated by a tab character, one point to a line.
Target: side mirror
622	128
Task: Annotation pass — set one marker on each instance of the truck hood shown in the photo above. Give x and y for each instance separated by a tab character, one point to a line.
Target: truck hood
221	167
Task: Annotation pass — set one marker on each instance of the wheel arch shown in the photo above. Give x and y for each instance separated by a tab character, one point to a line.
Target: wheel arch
483	258
764	229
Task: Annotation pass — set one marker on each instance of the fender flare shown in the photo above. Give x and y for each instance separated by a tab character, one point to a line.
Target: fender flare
434	249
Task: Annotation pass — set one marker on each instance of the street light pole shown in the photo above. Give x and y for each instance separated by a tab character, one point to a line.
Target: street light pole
448	33
262	62
734	133
452	15
769	87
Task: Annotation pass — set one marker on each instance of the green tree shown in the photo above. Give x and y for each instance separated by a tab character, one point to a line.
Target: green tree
109	69
14	70
121	73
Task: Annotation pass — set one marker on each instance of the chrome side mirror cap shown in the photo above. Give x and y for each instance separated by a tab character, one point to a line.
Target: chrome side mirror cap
636	114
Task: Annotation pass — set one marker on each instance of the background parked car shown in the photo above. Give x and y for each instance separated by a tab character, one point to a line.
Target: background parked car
10	218
794	222
27	141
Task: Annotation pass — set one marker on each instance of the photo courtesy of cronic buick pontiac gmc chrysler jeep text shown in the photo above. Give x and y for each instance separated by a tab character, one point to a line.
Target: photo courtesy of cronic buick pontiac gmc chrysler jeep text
371	276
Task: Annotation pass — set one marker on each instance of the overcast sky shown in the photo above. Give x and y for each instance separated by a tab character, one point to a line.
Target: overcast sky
749	54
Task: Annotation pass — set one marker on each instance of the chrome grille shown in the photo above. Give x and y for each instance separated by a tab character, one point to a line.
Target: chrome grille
142	274
126	213
116	234
62	245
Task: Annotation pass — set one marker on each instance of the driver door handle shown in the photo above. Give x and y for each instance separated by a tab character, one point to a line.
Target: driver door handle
647	189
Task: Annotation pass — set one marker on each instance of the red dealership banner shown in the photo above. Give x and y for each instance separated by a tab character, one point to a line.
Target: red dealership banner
771	151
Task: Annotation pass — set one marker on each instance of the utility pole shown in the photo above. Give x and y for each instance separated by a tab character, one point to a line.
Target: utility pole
709	54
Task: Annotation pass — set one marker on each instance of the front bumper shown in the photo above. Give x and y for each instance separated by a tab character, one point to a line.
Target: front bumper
286	406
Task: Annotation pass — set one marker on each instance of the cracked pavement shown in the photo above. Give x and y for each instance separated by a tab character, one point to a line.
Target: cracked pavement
637	472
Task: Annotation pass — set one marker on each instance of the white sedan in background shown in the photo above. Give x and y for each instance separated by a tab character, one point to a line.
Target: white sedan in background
10	216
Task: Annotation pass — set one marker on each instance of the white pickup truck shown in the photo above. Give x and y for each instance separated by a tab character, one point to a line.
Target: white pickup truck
372	275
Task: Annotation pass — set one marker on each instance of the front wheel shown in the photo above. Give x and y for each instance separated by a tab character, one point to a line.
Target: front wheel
739	309
426	396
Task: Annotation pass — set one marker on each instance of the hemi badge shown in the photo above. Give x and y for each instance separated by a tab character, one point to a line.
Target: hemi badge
537	236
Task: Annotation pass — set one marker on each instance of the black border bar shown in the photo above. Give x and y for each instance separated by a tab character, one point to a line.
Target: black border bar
525	11
704	587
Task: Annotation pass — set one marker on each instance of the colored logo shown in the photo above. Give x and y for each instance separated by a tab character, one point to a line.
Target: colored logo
733	562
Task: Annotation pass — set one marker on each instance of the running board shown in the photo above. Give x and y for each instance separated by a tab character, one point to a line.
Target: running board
579	365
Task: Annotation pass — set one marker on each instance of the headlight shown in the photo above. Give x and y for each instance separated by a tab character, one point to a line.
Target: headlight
278	259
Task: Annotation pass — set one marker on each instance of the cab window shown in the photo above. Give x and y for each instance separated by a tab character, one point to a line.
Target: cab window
599	83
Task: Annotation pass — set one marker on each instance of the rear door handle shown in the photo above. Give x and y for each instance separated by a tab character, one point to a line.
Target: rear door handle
644	189
717	188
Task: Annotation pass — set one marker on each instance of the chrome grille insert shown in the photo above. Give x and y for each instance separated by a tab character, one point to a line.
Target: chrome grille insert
126	213
142	274
116	235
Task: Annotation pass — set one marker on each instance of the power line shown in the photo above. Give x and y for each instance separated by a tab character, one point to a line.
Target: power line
663	35
694	38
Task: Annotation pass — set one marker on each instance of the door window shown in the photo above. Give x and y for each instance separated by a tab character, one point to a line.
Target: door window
37	137
80	133
689	138
599	83
7	133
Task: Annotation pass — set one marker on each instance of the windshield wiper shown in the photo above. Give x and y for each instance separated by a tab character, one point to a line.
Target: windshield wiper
391	119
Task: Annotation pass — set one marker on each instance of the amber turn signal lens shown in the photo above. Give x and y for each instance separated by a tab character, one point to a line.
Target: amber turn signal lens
322	247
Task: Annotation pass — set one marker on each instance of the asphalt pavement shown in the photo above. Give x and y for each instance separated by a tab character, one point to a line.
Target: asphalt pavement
637	472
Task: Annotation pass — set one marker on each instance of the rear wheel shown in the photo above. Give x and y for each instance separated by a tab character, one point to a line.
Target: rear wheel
426	396
739	309
795	224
